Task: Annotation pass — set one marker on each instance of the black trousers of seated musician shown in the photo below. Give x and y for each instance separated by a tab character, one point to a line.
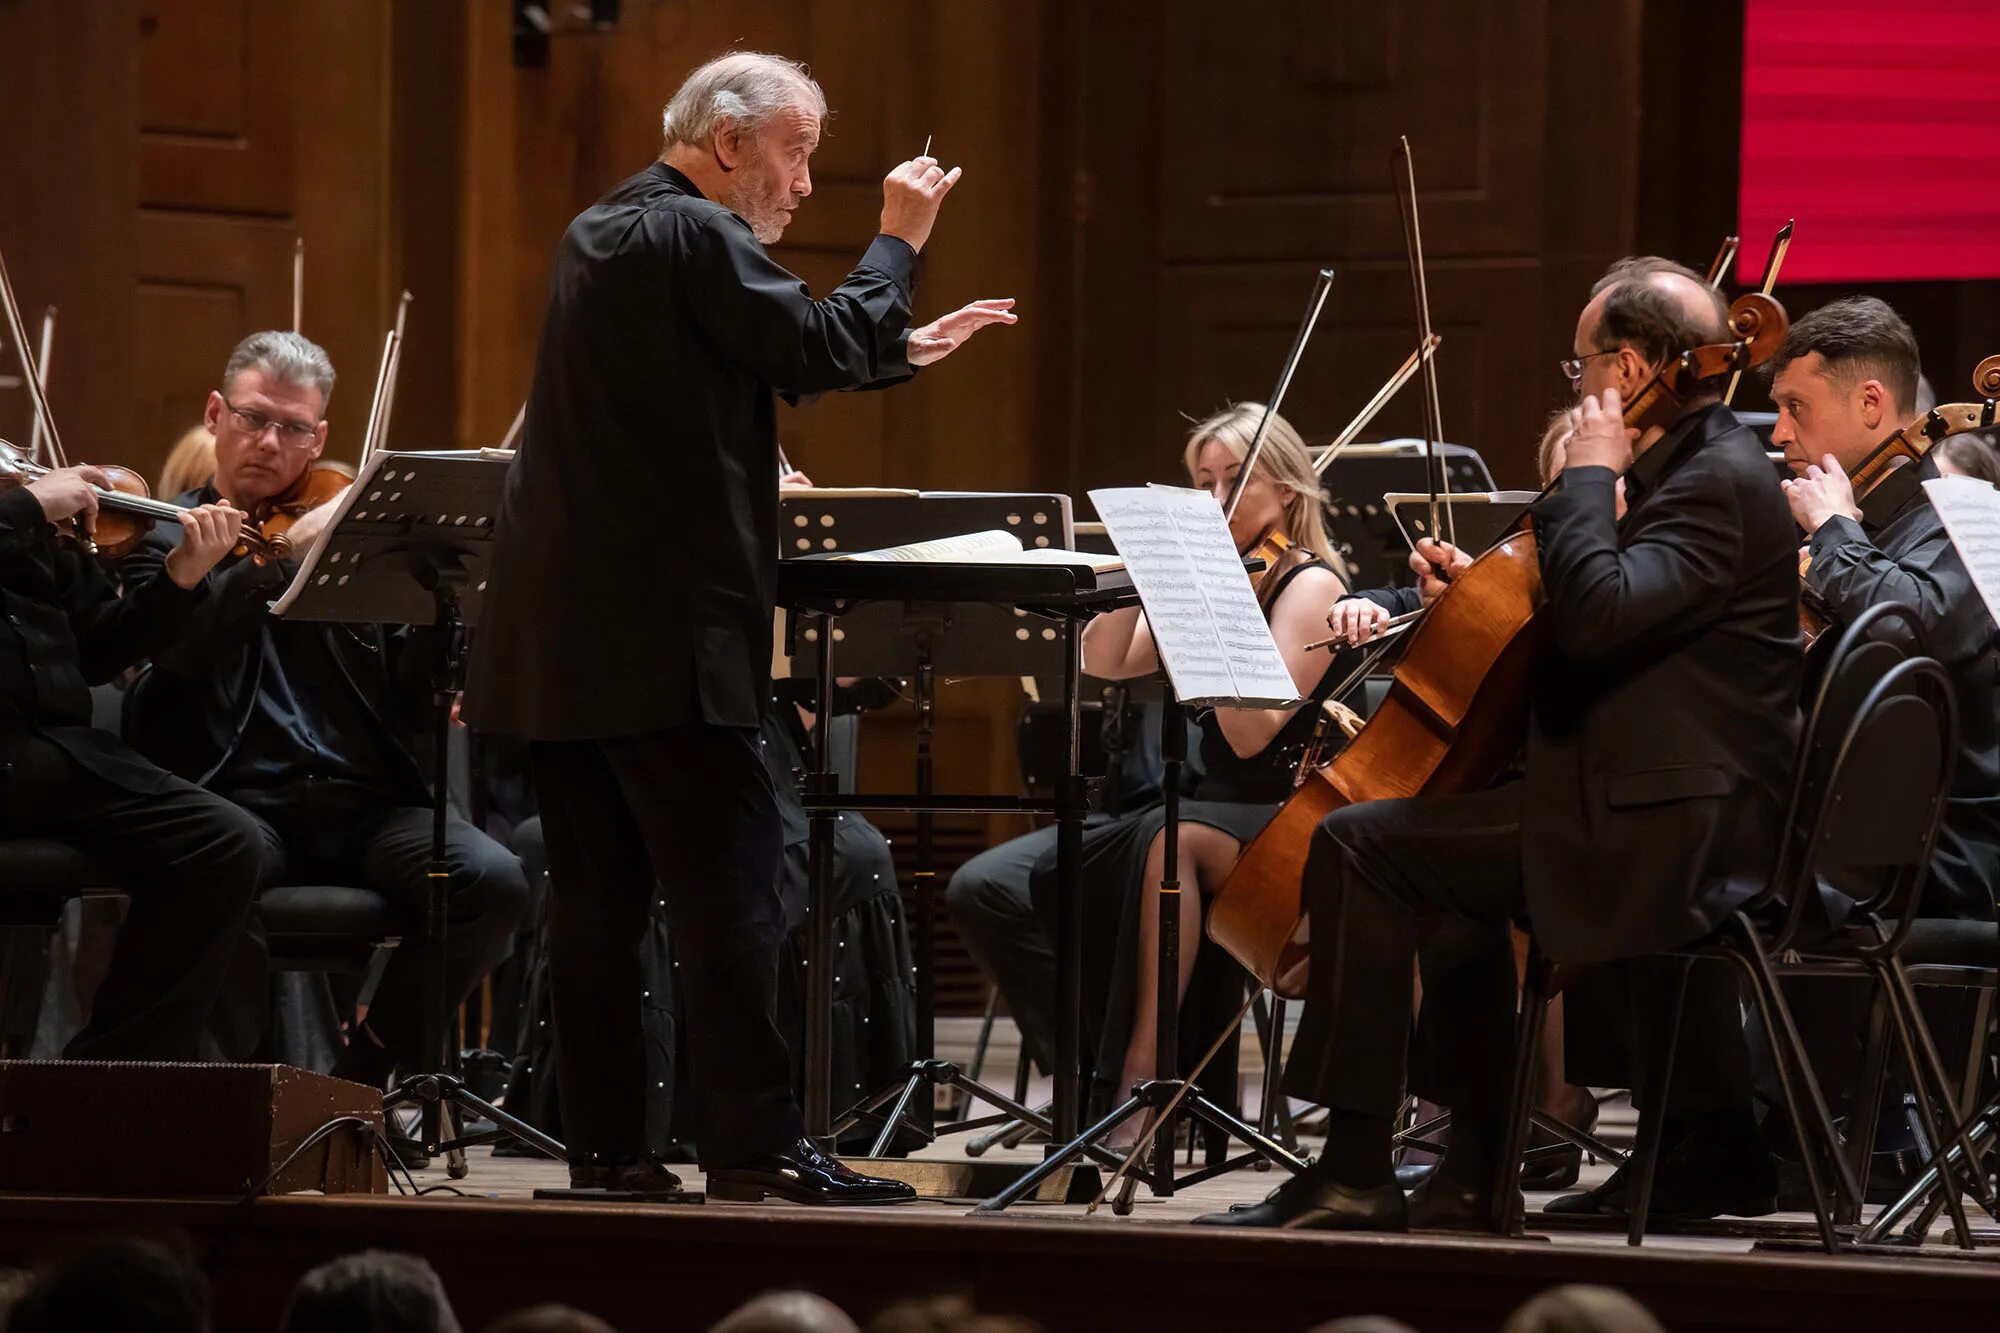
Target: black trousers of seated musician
1439	878
687	813
387	848
188	861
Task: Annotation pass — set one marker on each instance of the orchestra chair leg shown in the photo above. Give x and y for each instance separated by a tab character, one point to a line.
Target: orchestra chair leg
1865	1117
1652	1117
1529	1017
1789	1060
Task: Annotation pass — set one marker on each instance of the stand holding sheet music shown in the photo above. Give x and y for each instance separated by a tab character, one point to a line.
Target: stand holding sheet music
408	545
1217	650
917	637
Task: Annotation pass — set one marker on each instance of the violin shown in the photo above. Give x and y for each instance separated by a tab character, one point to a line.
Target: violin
1909	445
1456	713
126	511
267	527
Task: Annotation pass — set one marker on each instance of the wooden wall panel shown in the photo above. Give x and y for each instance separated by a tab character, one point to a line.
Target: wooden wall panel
219	86
68	179
1228	152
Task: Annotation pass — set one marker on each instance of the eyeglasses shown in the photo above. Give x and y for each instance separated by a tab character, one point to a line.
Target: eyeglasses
298	434
1573	367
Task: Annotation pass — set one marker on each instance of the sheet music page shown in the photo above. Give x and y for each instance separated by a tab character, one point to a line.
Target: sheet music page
1203	613
310	561
1970	509
993	544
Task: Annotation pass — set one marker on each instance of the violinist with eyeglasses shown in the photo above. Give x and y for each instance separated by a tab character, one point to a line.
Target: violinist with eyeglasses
1661	725
305	725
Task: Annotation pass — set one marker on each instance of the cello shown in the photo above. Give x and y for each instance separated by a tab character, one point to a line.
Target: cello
1457	708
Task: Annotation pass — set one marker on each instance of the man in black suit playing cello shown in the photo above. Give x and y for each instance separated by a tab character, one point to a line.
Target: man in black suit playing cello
1661	739
628	621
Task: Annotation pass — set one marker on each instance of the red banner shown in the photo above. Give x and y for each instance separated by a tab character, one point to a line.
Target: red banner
1877	126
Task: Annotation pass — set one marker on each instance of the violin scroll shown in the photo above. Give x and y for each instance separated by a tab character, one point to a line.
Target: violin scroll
1759	322
1986	378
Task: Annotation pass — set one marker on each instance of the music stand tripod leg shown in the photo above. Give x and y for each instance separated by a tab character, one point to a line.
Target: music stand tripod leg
439	1091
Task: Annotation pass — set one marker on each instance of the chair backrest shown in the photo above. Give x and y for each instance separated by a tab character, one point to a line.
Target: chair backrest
1866	651
1883	795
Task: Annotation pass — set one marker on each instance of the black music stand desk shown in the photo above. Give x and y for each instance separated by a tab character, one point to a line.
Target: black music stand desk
818	592
409	546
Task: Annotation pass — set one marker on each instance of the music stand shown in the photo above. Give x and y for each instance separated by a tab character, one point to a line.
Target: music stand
917	640
408	546
1167	1095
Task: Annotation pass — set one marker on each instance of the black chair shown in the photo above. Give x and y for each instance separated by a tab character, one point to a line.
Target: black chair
38	878
308	927
1880	737
1864	818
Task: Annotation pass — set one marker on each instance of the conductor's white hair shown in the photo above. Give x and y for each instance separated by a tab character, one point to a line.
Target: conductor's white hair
744	87
286	357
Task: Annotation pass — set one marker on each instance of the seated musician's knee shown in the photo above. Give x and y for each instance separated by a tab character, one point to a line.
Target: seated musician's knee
491	885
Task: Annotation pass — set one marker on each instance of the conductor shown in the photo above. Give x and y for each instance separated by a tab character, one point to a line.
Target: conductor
632	647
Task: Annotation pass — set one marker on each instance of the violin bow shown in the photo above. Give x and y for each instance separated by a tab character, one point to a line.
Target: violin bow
35	432
1413	241
1779	245
513	437
385	384
298	284
1322	284
30	373
1389	390
1718	268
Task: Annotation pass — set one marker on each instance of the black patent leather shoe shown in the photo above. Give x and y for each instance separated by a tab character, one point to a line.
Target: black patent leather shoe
802	1174
1315	1202
1443	1204
625	1175
1602	1200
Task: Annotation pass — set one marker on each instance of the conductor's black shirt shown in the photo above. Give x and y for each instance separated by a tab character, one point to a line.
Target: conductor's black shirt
635	565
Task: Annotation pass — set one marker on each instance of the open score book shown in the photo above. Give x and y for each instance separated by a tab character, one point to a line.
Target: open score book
996	546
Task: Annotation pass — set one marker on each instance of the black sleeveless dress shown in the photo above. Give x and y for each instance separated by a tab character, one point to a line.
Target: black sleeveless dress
1232	793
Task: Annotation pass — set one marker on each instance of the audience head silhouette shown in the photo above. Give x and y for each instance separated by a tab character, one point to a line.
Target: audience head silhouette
1582	1309
374	1291
116	1286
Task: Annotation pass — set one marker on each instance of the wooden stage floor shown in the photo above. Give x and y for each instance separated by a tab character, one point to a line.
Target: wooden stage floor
681	1266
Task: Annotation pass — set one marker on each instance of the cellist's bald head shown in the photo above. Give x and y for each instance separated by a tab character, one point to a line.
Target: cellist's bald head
1643	312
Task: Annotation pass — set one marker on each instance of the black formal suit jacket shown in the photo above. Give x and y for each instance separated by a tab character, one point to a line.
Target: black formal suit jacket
1665	715
188	708
635	566
1912	562
68	629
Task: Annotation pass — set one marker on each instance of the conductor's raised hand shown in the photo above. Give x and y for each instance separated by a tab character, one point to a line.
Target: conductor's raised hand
1602	439
937	340
208	532
1428	558
910	198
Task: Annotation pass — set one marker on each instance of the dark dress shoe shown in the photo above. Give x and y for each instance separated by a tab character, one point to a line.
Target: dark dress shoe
1606	1197
1558	1170
1316	1202
1414	1174
625	1175
1694	1192
802	1174
1443	1204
